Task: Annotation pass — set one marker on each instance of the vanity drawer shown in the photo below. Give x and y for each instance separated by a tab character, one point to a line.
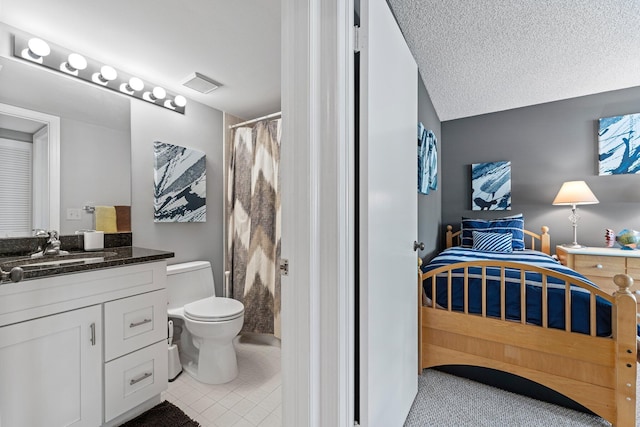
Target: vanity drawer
134	322
132	379
600	266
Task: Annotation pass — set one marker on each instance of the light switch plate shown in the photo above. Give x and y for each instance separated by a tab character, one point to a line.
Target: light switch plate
74	214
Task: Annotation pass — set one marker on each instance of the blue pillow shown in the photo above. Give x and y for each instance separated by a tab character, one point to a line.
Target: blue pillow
511	224
492	242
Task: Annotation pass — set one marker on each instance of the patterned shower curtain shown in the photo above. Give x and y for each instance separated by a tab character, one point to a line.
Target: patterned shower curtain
253	224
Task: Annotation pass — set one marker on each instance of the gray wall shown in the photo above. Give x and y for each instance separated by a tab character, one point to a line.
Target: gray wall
429	205
547	144
200	128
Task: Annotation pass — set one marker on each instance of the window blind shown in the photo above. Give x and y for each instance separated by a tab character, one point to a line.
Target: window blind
15	188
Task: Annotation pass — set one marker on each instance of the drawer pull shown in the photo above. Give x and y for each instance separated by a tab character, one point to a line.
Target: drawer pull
92	329
599	266
143	377
142	322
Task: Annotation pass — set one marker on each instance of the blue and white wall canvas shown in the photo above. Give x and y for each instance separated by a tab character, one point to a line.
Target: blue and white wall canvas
427	160
180	184
491	186
618	145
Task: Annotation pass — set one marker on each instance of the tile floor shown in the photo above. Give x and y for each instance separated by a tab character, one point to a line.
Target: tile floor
252	399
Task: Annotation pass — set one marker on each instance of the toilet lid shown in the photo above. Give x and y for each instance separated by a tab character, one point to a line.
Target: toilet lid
214	309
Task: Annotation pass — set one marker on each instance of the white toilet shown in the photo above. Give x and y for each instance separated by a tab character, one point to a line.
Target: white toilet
208	323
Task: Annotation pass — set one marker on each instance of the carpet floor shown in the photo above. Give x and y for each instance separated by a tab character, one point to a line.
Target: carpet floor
165	414
445	399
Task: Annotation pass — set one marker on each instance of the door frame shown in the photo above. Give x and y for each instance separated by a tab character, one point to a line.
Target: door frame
317	170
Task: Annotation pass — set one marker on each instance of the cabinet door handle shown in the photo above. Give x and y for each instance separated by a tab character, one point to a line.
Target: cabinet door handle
599	266
142	377
142	322
92	328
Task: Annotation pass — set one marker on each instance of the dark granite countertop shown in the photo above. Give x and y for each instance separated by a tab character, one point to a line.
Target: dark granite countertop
80	261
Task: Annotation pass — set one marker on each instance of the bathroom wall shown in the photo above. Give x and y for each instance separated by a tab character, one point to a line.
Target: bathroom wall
201	129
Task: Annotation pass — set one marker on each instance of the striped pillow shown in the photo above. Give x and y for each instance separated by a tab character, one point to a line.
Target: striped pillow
513	225
492	242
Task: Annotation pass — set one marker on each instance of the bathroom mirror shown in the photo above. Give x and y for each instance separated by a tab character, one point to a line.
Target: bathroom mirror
30	177
94	165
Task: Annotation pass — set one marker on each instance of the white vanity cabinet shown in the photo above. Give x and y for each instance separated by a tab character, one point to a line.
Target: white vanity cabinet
51	370
83	349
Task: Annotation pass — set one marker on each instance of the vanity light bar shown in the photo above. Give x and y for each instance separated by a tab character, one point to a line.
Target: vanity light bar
56	58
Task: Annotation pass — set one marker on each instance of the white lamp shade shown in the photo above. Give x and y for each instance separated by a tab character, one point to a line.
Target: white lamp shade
159	93
136	84
108	72
575	193
77	61
180	101
39	47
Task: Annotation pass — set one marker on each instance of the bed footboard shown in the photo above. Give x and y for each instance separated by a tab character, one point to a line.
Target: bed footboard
597	372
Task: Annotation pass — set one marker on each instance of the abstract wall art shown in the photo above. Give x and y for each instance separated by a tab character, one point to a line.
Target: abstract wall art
491	186
618	145
427	160
179	184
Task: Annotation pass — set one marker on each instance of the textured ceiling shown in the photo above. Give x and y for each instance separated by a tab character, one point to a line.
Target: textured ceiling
483	56
236	43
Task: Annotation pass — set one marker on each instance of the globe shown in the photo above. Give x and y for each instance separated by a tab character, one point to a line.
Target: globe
628	239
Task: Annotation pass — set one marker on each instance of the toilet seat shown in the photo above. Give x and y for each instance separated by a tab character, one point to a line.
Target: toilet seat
214	309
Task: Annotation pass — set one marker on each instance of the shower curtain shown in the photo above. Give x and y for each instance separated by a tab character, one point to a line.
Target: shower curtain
253	224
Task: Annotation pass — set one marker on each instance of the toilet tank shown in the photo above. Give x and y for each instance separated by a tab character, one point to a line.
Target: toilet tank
188	282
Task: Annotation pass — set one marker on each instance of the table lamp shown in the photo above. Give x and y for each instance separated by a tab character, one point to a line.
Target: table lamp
575	193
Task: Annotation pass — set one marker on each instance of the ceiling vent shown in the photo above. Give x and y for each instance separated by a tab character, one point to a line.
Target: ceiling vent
201	83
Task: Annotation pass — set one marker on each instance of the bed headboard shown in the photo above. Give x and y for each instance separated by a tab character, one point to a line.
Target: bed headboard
544	239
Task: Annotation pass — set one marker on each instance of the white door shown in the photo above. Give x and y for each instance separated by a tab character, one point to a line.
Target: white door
388	220
51	371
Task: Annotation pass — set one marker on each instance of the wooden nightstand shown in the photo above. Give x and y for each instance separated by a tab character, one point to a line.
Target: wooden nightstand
600	265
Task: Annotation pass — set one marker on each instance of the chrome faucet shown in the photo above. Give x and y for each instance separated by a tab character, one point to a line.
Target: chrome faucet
51	247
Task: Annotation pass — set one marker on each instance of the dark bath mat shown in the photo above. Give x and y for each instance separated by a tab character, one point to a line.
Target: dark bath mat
165	414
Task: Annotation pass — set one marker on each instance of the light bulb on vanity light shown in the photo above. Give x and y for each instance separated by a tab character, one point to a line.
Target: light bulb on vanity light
156	94
134	85
178	102
36	50
106	74
73	64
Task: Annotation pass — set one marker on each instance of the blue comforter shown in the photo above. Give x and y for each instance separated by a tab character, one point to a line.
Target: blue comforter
580	308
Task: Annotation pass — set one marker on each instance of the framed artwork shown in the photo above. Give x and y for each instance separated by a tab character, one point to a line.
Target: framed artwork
491	186
427	160
618	145
179	181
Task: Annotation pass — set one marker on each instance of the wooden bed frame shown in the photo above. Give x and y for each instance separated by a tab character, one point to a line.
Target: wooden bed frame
599	373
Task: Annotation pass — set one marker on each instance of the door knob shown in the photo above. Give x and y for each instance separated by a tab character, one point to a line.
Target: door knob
417	246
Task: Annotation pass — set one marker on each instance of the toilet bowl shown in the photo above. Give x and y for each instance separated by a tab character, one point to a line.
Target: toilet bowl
208	323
